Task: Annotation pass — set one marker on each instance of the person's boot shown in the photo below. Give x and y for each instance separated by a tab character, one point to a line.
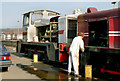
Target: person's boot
76	75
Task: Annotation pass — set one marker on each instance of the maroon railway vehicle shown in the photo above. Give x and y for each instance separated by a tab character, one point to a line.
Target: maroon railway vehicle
102	39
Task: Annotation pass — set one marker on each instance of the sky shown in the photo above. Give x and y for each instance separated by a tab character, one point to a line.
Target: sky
12	10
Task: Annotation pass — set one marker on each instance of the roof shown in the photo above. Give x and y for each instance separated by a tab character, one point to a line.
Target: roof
71	16
101	14
40	11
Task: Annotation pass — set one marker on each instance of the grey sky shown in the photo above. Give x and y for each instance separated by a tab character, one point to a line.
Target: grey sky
12	11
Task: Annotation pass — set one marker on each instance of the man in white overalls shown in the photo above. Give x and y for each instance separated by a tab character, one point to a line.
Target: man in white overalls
76	45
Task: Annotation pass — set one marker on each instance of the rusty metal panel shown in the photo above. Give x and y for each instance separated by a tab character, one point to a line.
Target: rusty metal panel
82	26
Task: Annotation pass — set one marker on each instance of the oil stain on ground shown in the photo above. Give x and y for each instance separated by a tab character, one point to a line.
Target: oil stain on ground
44	75
52	74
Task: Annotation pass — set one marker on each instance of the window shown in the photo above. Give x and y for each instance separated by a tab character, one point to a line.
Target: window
26	20
36	16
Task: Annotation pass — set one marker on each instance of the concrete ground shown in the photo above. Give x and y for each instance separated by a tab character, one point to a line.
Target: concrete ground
39	70
15	72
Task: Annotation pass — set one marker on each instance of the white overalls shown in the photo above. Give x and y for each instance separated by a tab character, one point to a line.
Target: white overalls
76	45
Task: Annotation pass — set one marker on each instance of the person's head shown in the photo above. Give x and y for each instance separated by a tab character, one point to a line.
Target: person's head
81	34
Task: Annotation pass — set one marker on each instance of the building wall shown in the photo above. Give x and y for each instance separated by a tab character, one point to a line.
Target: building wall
11	37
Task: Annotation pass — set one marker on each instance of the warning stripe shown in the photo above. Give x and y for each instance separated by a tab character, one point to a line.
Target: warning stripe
86	34
60	31
114	33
